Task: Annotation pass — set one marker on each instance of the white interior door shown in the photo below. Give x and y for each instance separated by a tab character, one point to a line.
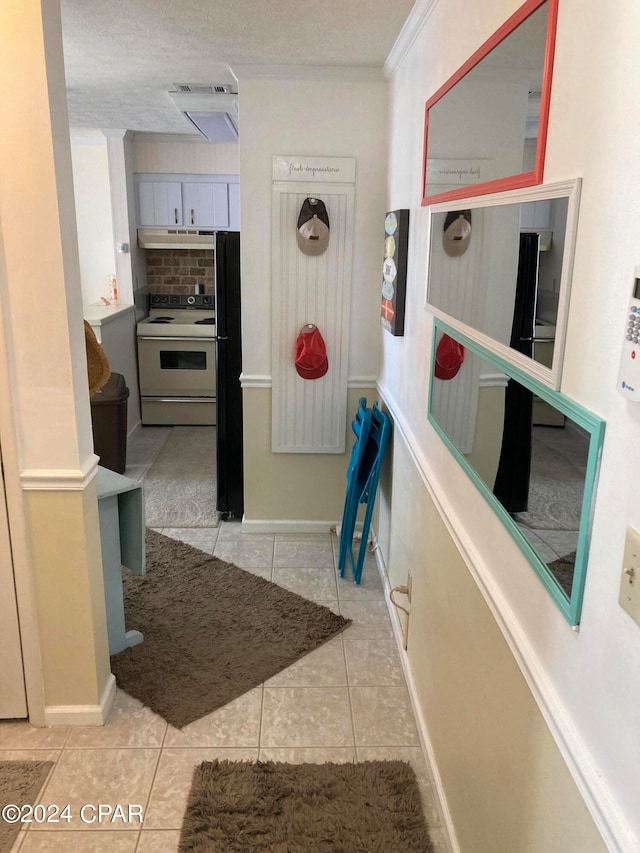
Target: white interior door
13	700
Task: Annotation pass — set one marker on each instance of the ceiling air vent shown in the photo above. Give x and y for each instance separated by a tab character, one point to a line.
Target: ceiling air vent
211	109
205	89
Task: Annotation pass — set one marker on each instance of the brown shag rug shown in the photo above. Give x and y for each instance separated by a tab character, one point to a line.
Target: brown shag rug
268	807
563	569
20	784
211	631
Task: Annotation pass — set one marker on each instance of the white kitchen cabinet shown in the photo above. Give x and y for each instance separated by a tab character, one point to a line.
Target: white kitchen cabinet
159	204
234	207
205	205
188	201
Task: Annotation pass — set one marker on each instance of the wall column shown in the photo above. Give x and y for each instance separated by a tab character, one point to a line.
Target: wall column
45	414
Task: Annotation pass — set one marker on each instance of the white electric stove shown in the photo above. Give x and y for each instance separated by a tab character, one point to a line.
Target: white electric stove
176	360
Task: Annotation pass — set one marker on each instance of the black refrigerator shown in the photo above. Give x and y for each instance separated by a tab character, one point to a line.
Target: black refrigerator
229	455
514	467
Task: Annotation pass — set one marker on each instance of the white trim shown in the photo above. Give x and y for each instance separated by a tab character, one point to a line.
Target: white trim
493	380
340	73
255	380
60	479
83	715
599	800
86	136
421	723
362	382
286	526
191	138
410	31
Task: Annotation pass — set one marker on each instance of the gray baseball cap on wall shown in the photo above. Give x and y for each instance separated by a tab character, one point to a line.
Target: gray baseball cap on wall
456	232
313	227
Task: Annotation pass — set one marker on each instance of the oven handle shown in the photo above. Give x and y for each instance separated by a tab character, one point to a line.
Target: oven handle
178	399
203	338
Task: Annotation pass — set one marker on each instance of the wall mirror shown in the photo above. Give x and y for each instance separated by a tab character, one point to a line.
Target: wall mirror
487	124
534	455
506	283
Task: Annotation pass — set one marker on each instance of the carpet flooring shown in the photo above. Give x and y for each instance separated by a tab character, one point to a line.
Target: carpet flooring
211	631
267	807
20	784
180	485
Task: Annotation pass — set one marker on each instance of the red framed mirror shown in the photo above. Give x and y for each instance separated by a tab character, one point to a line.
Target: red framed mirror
485	128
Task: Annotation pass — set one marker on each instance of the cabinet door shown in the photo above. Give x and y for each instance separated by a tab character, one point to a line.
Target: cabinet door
234	207
159	204
206	205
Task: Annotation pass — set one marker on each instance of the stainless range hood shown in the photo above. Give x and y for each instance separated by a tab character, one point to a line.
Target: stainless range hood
174	238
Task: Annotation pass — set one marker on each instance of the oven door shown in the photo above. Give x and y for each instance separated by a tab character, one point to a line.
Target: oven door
176	367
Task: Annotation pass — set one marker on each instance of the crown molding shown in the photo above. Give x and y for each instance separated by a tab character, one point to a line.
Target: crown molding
146	136
416	20
343	73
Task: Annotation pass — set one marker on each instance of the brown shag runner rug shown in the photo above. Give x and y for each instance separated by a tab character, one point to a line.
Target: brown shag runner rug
20	784
563	569
211	631
268	807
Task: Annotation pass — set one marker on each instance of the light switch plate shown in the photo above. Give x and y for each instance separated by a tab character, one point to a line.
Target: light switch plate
630	582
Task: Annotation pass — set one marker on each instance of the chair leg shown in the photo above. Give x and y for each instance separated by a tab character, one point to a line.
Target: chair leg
357	574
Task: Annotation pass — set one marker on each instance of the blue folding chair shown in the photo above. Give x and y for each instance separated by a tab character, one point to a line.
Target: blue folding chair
362	483
361	426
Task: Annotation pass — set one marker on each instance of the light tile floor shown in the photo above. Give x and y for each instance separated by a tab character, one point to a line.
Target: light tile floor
346	701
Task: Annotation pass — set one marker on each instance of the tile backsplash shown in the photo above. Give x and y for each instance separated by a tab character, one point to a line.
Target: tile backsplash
179	270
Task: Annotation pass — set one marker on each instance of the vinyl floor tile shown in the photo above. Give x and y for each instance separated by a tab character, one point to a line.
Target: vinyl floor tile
346	701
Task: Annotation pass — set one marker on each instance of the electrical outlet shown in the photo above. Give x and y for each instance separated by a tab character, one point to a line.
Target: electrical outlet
630	583
409	586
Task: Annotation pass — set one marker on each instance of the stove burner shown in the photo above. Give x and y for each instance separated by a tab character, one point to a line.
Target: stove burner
208	321
162	320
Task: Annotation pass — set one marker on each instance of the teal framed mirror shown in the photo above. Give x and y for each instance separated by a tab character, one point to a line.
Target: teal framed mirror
533	454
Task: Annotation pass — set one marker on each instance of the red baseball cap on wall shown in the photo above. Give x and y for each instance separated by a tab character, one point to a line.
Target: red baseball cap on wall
310	353
449	358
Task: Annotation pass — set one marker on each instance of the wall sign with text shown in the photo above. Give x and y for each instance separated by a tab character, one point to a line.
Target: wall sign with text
341	170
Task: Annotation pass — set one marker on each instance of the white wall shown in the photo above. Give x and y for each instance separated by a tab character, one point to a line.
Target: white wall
153	153
587	682
311	114
93	215
306	112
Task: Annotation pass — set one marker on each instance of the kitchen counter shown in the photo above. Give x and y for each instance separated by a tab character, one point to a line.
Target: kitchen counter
98	314
115	329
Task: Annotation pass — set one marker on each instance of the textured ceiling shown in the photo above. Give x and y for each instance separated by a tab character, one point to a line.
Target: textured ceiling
123	56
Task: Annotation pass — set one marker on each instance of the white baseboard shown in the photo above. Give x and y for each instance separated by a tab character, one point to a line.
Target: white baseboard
421	724
83	715
285	526
134	429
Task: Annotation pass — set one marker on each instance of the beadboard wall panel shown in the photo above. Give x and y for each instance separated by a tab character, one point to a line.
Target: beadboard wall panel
309	416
